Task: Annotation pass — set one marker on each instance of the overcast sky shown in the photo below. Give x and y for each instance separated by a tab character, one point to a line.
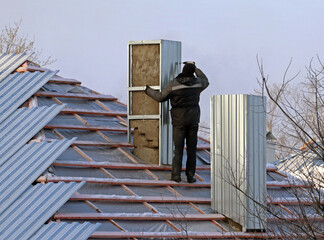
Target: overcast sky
89	38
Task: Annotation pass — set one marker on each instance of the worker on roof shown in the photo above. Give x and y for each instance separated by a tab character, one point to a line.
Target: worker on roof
184	93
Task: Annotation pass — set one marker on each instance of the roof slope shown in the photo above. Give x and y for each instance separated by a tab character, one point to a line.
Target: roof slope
25	166
131	198
18	87
10	62
25	207
304	164
34	207
21	126
71	231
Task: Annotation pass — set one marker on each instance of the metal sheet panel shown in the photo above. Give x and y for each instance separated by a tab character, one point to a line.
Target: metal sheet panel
63	231
305	165
170	67
21	126
298	161
238	155
18	87
25	166
9	63
33	208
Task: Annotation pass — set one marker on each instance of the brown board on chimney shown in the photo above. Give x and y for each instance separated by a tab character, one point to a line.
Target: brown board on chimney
146	65
143	104
145	71
146	140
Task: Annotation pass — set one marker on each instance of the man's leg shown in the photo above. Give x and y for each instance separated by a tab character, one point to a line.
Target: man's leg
191	141
178	141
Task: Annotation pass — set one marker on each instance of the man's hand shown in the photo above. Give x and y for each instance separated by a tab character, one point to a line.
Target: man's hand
190	62
146	87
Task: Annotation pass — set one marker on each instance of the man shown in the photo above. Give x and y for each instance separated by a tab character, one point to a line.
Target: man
184	92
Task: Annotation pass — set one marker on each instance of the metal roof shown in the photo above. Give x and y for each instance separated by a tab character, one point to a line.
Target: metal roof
298	161
103	166
62	230
21	126
305	165
18	87
33	208
23	168
9	62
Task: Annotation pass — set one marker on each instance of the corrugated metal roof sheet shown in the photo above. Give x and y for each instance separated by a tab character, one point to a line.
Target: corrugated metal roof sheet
18	87
9	62
33	208
62	231
21	126
305	165
25	166
297	161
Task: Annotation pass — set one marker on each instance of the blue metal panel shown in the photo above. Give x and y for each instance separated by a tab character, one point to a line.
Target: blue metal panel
9	63
170	68
63	231
33	208
21	126
25	166
18	87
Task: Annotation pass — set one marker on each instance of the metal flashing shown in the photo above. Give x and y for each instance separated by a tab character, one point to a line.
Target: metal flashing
33	208
63	230
9	62
21	126
18	87
25	166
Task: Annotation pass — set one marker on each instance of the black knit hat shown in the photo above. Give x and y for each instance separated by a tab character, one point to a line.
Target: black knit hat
188	70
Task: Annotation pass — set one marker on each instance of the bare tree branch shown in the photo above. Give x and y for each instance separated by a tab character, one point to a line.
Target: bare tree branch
12	41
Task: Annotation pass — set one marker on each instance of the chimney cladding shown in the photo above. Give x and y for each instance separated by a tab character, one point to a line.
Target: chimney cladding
238	156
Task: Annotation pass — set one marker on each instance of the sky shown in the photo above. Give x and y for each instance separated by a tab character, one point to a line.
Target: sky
89	38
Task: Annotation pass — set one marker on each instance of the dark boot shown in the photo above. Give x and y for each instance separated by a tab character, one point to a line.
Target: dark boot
176	179
191	179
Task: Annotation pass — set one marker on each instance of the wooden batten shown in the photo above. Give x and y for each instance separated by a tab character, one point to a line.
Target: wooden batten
137	216
84	127
75	95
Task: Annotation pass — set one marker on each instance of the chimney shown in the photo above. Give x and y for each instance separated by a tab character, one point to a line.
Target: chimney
238	159
271	148
152	63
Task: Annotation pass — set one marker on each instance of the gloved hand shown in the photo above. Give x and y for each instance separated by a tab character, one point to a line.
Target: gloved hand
146	87
190	62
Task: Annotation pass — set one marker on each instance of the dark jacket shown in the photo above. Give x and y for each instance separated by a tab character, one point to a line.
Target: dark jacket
184	93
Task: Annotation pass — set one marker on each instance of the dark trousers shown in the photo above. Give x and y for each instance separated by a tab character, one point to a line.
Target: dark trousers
180	134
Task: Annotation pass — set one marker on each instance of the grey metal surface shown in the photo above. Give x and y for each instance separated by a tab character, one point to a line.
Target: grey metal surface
25	166
33	208
21	126
9	62
63	231
305	165
238	158
170	67
18	87
296	162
